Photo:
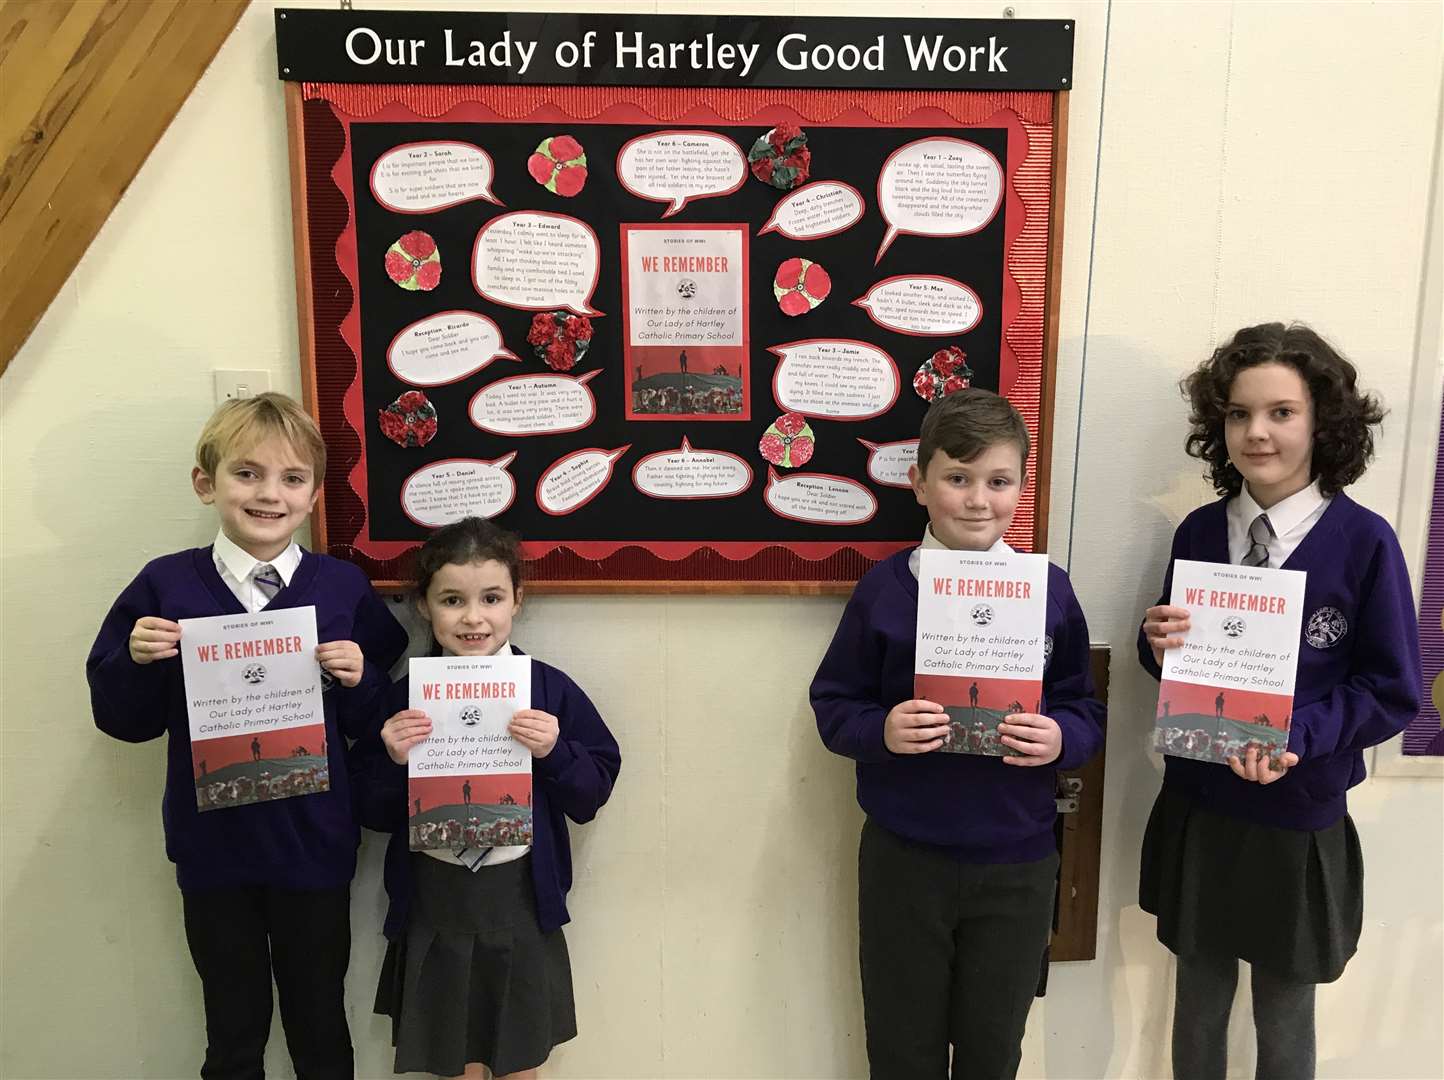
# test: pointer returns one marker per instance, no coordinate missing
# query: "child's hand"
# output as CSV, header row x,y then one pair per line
x,y
342,659
154,638
403,731
1037,739
1164,626
536,730
1259,768
915,727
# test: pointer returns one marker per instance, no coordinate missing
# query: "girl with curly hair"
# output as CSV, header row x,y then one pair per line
x,y
1277,417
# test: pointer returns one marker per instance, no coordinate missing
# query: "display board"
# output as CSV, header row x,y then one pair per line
x,y
679,334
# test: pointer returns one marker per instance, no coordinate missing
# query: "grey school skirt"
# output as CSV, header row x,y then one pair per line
x,y
1286,900
473,977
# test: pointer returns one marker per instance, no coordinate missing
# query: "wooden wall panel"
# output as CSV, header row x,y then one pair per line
x,y
86,89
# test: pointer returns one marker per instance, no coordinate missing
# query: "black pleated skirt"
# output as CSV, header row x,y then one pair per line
x,y
473,977
1289,901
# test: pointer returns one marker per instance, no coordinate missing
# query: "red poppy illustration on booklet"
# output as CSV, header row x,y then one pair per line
x,y
1230,686
981,649
253,696
469,782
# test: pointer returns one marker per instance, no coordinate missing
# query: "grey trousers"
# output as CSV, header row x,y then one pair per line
x,y
1283,1017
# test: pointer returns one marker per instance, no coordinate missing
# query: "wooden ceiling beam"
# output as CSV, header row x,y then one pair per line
x,y
87,87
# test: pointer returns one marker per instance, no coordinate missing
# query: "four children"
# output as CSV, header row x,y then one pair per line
x,y
957,863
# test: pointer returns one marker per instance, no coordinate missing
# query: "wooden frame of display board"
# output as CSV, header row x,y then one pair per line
x,y
777,462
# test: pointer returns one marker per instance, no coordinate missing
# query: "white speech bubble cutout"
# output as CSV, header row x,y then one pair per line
x,y
922,305
445,348
449,490
834,378
816,210
939,186
422,177
887,463
818,498
572,481
676,167
688,473
523,405
536,261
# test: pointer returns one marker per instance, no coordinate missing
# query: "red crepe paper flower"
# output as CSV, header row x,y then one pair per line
x,y
781,158
414,263
410,420
788,441
559,338
943,373
559,165
800,285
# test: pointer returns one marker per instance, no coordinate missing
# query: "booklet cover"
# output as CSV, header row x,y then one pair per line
x,y
980,641
253,696
1230,685
469,782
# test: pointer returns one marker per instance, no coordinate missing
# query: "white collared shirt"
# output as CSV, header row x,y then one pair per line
x,y
1291,518
492,856
932,543
237,568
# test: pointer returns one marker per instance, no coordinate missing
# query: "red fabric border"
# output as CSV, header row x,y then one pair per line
x,y
330,108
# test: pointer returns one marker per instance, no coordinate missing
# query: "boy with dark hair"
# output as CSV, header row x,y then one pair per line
x,y
957,867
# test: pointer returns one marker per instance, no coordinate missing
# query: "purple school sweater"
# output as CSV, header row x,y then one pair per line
x,y
573,781
1358,668
979,809
305,842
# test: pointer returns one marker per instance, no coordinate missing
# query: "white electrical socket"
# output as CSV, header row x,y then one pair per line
x,y
240,384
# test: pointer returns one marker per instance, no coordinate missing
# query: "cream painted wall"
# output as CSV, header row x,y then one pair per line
x,y
1253,161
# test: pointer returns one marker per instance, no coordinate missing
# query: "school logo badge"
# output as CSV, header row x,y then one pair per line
x,y
254,673
1047,650
1234,626
1326,628
471,715
982,614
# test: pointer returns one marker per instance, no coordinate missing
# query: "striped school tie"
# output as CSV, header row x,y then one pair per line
x,y
1259,534
267,580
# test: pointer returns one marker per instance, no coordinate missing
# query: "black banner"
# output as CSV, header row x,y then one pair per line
x,y
673,50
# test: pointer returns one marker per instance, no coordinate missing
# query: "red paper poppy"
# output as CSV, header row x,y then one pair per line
x,y
417,244
410,420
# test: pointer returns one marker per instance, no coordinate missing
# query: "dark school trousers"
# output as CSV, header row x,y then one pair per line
x,y
950,955
239,938
1283,1017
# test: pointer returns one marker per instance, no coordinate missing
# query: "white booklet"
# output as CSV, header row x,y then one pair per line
x,y
253,696
1230,685
980,641
469,781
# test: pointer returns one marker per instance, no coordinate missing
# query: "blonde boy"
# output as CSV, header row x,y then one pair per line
x,y
265,886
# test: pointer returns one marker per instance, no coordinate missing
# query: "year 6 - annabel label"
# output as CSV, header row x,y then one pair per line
x,y
469,781
1229,688
980,641
253,695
